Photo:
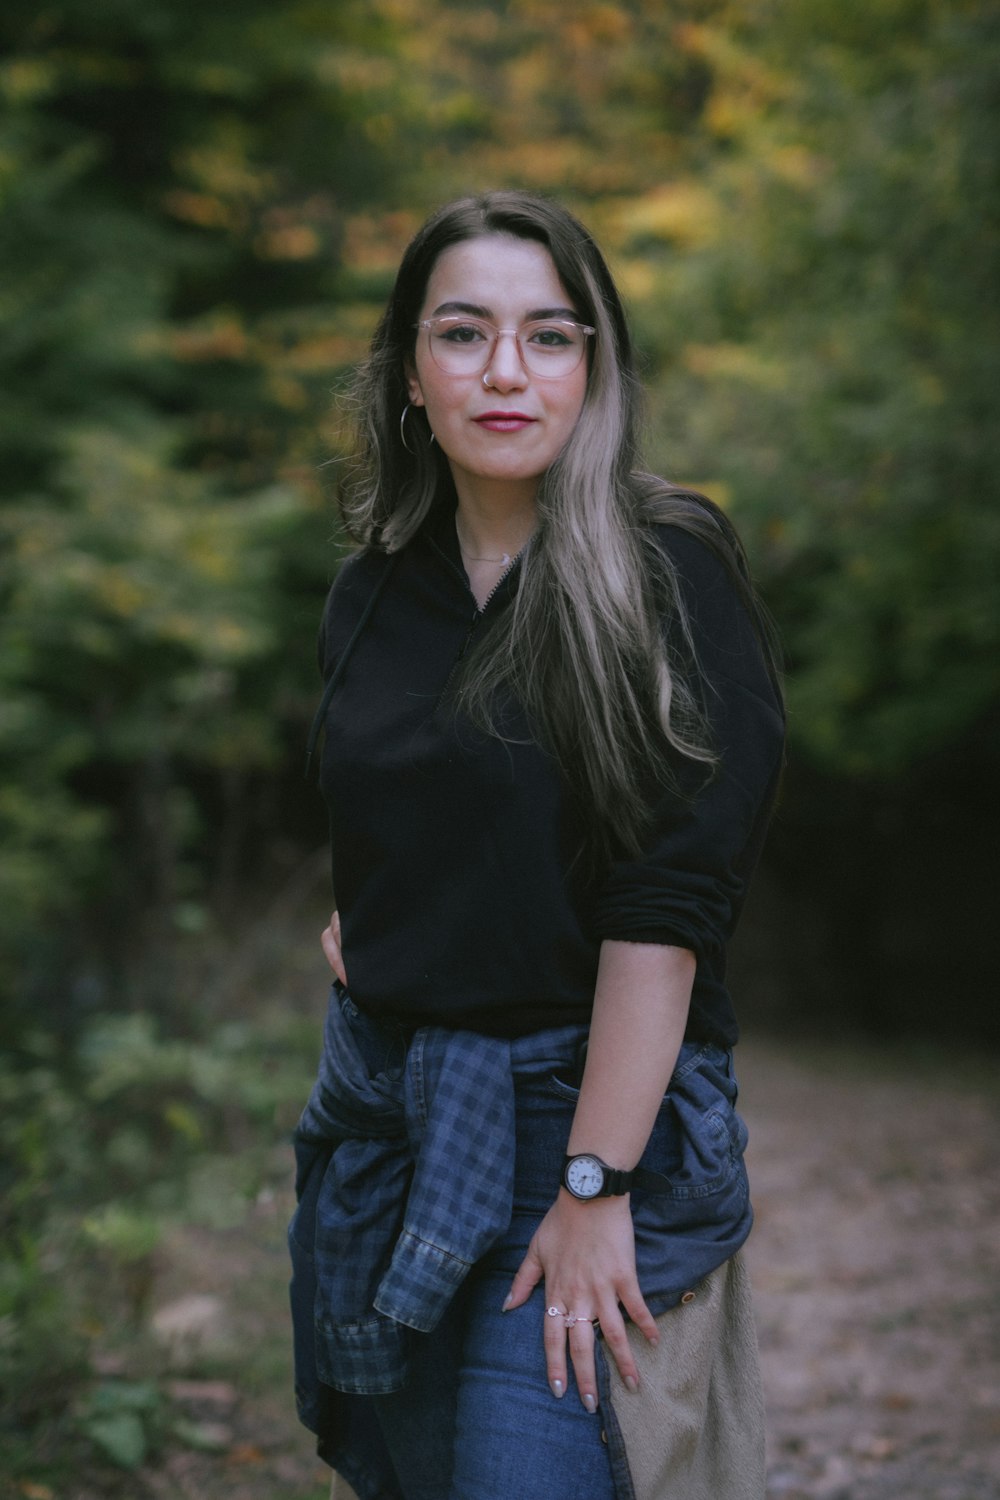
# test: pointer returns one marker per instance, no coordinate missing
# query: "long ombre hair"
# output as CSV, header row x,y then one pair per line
x,y
583,648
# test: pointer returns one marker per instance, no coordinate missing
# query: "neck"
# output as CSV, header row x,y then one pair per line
x,y
494,532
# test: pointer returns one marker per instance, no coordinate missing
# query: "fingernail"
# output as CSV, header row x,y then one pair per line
x,y
631,1384
590,1402
507,1301
558,1389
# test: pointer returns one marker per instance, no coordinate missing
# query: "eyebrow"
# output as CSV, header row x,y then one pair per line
x,y
538,314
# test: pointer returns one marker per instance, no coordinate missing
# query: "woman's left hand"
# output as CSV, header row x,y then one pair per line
x,y
586,1254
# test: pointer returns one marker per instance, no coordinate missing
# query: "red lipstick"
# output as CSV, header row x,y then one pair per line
x,y
504,421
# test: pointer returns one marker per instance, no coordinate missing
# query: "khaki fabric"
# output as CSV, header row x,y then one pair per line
x,y
695,1428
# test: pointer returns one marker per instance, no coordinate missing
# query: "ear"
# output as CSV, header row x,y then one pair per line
x,y
416,395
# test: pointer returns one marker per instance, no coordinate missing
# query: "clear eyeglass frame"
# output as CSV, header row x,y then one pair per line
x,y
472,356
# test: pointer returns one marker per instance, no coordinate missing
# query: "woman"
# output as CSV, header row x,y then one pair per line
x,y
553,740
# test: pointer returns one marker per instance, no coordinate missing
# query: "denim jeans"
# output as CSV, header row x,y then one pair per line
x,y
478,1407
477,1420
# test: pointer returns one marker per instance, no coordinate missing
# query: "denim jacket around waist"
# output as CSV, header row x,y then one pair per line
x,y
405,1176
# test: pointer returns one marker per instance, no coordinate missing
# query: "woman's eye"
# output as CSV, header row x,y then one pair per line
x,y
551,338
462,333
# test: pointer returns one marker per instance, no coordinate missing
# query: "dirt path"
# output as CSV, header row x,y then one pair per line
x,y
876,1267
875,1262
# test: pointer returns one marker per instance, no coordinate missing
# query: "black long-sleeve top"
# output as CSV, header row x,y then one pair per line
x,y
462,869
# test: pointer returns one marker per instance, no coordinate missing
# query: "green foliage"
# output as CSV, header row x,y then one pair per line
x,y
101,1154
839,366
175,181
119,1418
130,652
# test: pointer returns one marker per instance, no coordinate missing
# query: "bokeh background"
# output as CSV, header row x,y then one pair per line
x,y
202,204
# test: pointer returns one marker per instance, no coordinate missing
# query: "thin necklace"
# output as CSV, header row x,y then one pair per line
x,y
505,561
471,557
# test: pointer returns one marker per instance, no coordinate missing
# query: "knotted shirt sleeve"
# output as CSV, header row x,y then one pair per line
x,y
688,886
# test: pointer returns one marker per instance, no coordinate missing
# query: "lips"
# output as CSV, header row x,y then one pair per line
x,y
504,421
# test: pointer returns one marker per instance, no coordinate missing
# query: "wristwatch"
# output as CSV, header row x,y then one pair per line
x,y
586,1177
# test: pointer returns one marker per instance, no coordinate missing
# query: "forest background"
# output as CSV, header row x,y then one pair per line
x,y
201,208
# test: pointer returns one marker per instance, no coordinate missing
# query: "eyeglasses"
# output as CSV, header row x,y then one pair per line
x,y
465,346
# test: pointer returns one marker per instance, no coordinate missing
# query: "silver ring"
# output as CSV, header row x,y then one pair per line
x,y
486,381
554,1312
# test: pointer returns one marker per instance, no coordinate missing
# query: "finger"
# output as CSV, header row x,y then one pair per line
x,y
341,966
617,1344
554,1338
330,942
332,950
581,1347
334,959
529,1274
633,1303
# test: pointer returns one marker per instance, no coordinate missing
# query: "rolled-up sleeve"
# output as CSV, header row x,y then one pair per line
x,y
687,888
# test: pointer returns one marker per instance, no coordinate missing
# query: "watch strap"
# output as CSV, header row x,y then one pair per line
x,y
619,1180
650,1182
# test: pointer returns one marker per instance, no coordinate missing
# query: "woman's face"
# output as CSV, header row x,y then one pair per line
x,y
505,434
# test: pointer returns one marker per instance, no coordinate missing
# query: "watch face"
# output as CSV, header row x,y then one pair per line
x,y
585,1176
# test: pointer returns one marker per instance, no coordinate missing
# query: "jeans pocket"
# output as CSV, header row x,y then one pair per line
x,y
704,1217
562,1088
700,1153
698,1139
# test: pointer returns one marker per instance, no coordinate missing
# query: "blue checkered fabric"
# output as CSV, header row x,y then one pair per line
x,y
420,1184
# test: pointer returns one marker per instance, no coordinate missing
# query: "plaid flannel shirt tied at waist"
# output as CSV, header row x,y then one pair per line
x,y
415,1142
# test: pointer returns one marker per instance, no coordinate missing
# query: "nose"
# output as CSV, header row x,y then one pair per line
x,y
505,370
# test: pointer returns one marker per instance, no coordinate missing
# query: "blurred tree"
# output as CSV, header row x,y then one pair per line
x,y
175,181
827,359
591,104
836,357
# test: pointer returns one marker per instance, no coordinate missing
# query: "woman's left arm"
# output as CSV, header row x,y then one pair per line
x,y
585,1251
657,914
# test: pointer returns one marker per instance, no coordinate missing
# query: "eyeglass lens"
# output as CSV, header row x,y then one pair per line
x,y
464,346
